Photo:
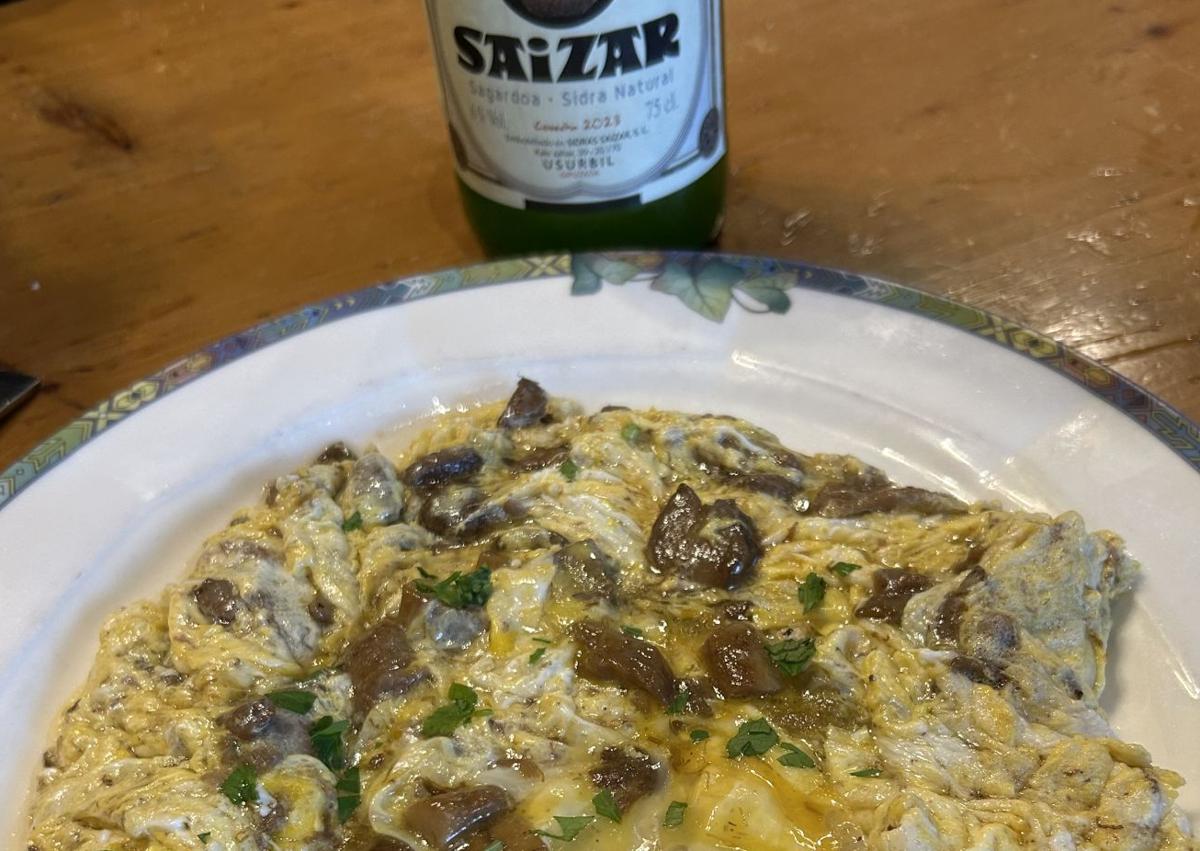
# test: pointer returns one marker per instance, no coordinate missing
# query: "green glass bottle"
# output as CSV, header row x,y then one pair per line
x,y
585,124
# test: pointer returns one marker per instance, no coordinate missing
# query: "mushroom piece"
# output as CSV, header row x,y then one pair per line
x,y
715,545
378,664
608,655
455,464
629,774
218,600
893,588
526,407
442,820
263,736
737,660
583,571
852,500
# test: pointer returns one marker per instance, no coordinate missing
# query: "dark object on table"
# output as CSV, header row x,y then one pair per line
x,y
15,387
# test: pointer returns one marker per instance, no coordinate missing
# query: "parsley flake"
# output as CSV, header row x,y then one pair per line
x,y
754,738
844,568
446,719
495,846
459,590
606,805
866,772
569,470
632,630
631,432
675,813
571,826
241,786
812,592
536,655
699,735
353,522
203,837
293,700
795,758
349,794
538,640
679,703
793,655
326,736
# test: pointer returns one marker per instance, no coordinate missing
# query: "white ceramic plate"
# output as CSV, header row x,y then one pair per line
x,y
911,383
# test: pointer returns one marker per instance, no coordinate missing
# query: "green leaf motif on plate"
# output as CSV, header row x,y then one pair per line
x,y
771,291
707,287
709,292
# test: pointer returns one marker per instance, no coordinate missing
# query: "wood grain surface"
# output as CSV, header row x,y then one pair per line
x,y
172,171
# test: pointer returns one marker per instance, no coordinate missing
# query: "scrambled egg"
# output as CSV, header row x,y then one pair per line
x,y
628,630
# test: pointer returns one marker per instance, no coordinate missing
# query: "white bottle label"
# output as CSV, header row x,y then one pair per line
x,y
581,102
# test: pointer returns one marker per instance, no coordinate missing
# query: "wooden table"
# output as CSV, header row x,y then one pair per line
x,y
174,170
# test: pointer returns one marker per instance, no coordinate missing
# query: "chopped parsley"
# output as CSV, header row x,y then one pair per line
x,y
679,703
536,655
754,738
571,826
812,592
632,630
795,758
699,735
354,521
293,700
569,470
675,813
241,786
793,655
495,846
631,432
446,719
460,590
538,640
203,837
326,736
606,806
844,568
349,794
866,772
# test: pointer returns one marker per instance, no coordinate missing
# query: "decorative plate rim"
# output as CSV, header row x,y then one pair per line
x,y
707,282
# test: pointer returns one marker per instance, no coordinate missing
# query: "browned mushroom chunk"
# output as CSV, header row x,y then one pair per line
x,y
714,545
608,655
218,600
980,671
321,610
990,635
947,621
629,774
583,571
539,459
443,820
842,500
264,736
737,661
512,832
378,664
893,588
334,453
449,507
526,407
455,464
